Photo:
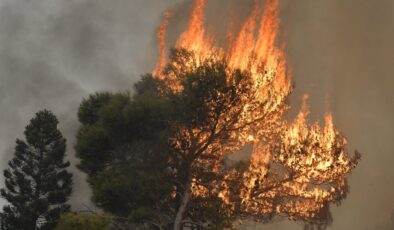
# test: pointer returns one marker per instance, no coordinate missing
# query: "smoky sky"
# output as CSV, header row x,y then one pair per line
x,y
55,52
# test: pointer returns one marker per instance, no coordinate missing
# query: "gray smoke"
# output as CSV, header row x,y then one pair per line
x,y
53,53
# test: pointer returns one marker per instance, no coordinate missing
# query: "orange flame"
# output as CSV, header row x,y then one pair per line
x,y
243,48
194,38
268,31
161,36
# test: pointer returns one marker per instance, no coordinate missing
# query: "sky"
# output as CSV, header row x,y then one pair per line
x,y
53,53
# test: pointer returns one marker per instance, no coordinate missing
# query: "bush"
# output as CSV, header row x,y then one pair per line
x,y
72,221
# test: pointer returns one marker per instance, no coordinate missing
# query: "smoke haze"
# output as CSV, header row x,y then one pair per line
x,y
53,53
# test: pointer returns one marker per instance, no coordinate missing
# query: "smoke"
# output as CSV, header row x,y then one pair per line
x,y
53,53
387,226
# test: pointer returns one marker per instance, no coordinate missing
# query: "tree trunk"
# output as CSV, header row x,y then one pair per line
x,y
182,208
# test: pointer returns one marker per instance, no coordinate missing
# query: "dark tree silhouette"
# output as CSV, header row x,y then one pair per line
x,y
37,184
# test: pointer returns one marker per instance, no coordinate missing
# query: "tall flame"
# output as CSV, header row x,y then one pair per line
x,y
268,31
194,38
243,47
161,35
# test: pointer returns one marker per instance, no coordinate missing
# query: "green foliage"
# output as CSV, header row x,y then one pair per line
x,y
92,147
122,145
37,184
123,188
148,85
89,108
141,214
212,212
72,221
201,88
119,120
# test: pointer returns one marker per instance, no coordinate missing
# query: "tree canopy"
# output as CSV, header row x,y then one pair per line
x,y
121,144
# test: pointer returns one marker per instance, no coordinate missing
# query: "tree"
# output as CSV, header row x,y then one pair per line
x,y
72,221
203,105
122,147
168,155
37,184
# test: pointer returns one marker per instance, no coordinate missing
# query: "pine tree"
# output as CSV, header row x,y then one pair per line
x,y
37,184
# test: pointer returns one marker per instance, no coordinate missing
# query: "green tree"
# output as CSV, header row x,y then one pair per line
x,y
37,184
122,145
72,221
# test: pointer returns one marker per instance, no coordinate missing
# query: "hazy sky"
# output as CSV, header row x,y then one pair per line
x,y
55,52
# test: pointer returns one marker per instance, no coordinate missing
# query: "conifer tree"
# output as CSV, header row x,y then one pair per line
x,y
37,184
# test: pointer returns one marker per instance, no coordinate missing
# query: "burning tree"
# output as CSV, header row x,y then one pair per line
x,y
201,105
235,97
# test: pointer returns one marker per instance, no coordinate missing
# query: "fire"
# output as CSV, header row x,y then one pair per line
x,y
194,38
317,163
295,168
243,47
161,35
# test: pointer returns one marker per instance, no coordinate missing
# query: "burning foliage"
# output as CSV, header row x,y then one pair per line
x,y
236,96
